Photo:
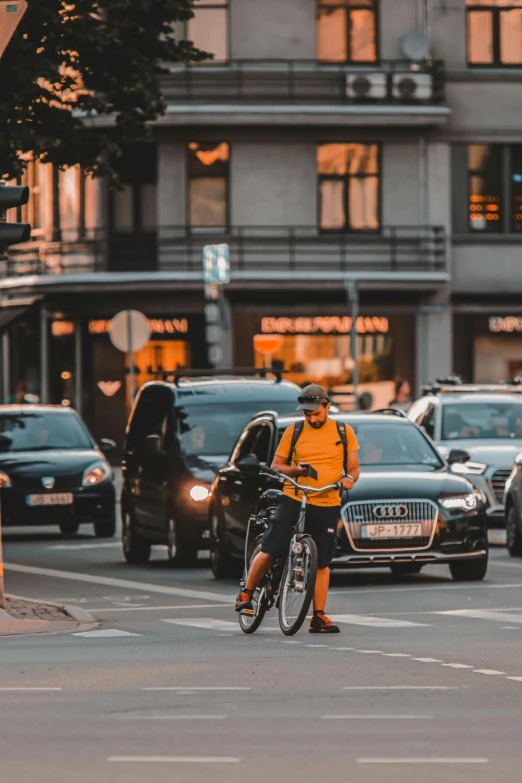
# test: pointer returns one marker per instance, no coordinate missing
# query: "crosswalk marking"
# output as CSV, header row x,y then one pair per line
x,y
106,633
484,614
209,623
375,622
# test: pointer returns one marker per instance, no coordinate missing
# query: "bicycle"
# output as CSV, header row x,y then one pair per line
x,y
289,584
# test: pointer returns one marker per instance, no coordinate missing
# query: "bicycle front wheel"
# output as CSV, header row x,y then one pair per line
x,y
297,586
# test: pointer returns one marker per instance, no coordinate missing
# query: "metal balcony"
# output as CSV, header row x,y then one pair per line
x,y
256,252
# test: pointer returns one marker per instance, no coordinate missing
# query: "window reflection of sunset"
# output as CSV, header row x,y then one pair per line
x,y
208,157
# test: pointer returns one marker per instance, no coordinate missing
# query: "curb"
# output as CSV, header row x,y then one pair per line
x,y
78,615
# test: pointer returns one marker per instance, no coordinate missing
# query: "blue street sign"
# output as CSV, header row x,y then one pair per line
x,y
216,264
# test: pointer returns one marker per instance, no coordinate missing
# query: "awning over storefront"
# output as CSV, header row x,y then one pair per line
x,y
12,310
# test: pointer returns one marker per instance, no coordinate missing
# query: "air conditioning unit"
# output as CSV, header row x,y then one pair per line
x,y
408,86
366,86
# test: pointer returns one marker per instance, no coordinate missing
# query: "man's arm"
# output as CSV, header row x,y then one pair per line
x,y
353,470
293,471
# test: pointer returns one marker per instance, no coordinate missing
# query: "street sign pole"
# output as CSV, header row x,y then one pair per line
x,y
132,379
216,274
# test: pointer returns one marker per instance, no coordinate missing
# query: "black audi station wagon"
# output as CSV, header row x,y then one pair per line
x,y
406,511
180,432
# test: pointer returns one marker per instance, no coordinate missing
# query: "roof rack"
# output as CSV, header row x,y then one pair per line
x,y
391,412
177,375
454,385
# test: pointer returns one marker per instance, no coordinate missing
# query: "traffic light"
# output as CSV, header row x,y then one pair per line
x,y
11,197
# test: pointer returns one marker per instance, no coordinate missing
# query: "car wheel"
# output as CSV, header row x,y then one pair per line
x,y
513,535
469,570
222,565
105,528
181,553
69,528
406,568
135,548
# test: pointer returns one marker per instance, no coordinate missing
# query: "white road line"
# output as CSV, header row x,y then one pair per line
x,y
316,645
199,688
342,648
127,608
128,584
401,687
208,623
479,614
176,759
396,655
108,545
436,760
516,679
172,717
432,588
491,672
369,652
375,622
105,633
376,717
29,689
457,665
427,660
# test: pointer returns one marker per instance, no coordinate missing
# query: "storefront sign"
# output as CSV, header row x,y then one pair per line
x,y
156,326
505,323
324,325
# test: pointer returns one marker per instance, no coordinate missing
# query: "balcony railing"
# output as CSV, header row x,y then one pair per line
x,y
302,81
254,250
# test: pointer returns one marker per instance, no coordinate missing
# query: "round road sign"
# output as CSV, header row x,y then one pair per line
x,y
138,325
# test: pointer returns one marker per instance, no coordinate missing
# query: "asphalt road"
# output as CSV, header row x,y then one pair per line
x,y
425,680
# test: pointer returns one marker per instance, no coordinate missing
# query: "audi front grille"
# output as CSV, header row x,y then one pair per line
x,y
498,484
357,514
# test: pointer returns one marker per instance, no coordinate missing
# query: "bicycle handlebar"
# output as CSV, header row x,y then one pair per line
x,y
304,487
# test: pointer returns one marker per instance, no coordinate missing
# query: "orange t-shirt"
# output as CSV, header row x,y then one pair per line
x,y
323,450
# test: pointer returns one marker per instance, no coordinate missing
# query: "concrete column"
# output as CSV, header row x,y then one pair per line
x,y
44,355
6,380
171,204
434,342
78,358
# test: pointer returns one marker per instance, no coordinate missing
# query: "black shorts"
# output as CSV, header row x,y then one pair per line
x,y
321,523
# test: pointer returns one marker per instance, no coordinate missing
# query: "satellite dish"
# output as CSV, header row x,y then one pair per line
x,y
415,45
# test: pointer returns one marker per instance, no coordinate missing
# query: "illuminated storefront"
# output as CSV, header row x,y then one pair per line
x,y
319,349
488,348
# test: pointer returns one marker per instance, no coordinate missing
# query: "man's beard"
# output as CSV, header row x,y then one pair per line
x,y
317,424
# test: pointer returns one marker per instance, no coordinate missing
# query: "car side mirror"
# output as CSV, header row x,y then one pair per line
x,y
250,462
107,445
458,455
152,445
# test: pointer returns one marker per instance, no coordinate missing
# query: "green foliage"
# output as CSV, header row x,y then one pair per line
x,y
80,78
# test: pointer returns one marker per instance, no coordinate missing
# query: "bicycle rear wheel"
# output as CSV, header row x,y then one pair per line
x,y
249,623
297,586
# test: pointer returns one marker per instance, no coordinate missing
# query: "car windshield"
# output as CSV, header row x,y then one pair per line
x,y
487,420
42,432
212,430
395,446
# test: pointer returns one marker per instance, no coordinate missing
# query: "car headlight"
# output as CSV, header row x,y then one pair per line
x,y
469,468
197,492
463,502
98,471
5,481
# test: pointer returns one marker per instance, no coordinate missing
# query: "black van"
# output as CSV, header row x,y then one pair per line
x,y
180,432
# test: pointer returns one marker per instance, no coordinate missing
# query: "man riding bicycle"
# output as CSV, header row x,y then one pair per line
x,y
330,448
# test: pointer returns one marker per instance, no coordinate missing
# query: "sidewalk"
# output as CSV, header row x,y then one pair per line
x,y
26,616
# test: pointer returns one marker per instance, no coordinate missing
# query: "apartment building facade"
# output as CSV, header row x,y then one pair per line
x,y
329,143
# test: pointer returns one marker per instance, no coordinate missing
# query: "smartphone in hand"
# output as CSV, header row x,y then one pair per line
x,y
311,471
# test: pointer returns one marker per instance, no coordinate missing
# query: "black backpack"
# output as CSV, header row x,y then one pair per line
x,y
298,428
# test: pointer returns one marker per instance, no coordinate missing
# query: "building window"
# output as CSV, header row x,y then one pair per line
x,y
133,205
495,188
208,29
208,184
349,187
494,32
347,31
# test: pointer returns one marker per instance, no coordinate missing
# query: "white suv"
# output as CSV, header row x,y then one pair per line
x,y
485,423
